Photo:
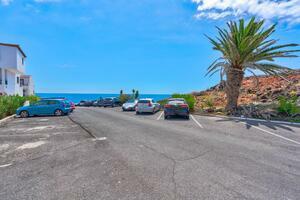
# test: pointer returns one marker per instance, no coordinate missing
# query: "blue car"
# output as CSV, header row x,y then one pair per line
x,y
45,107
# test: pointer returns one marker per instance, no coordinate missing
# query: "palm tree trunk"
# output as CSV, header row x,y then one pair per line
x,y
232,89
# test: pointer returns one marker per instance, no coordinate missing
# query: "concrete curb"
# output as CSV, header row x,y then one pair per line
x,y
6,119
249,119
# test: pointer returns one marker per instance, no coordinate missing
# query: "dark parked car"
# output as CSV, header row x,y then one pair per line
x,y
111,101
98,102
176,107
85,103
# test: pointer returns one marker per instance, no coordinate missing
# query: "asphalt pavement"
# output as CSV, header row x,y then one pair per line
x,y
104,153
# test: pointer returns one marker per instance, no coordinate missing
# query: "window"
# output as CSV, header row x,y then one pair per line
x,y
5,76
22,82
52,102
18,80
144,101
40,103
23,61
0,76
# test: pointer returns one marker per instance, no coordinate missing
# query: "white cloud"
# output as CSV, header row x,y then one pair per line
x,y
5,2
284,10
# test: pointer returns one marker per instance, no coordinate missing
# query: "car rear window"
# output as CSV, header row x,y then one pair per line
x,y
176,102
144,101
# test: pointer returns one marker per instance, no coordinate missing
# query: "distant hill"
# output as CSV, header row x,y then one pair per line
x,y
261,89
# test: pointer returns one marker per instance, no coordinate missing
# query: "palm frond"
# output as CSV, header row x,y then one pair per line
x,y
248,45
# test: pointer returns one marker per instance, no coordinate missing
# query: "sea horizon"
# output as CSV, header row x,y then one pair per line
x,y
77,97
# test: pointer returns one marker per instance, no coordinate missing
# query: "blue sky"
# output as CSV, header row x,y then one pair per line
x,y
156,46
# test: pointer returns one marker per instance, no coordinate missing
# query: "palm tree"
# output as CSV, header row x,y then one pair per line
x,y
246,47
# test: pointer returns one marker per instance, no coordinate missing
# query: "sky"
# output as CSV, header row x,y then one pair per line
x,y
155,46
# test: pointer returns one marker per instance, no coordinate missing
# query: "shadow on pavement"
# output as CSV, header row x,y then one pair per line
x,y
271,125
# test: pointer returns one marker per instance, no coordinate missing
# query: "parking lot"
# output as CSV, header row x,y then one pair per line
x,y
105,153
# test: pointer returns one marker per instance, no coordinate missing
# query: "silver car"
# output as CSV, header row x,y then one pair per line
x,y
130,105
147,105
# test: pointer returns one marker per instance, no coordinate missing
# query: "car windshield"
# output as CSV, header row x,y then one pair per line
x,y
131,101
144,101
108,99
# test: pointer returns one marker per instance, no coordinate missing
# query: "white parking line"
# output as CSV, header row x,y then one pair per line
x,y
274,134
196,121
7,165
160,116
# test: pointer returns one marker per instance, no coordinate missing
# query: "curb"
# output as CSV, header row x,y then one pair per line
x,y
6,119
249,119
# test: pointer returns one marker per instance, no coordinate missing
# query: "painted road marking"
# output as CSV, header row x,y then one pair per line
x,y
101,139
7,165
196,121
274,134
160,116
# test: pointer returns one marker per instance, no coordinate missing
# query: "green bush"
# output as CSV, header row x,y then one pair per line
x,y
288,106
189,98
9,104
209,102
124,98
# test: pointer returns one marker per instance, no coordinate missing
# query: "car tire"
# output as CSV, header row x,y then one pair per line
x,y
58,112
137,113
166,117
24,114
187,117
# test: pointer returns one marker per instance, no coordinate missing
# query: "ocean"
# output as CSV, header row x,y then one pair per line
x,y
76,98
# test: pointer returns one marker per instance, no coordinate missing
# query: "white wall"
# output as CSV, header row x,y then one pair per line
x,y
12,88
11,57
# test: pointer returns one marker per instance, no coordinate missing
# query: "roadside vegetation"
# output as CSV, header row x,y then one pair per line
x,y
246,47
126,97
288,105
9,104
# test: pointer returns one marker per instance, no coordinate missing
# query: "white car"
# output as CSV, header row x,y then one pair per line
x,y
130,105
147,105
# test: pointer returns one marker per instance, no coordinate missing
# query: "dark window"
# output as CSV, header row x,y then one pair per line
x,y
22,61
18,80
0,76
144,101
5,76
52,102
40,103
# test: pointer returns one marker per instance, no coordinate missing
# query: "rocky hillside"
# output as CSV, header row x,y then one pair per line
x,y
261,89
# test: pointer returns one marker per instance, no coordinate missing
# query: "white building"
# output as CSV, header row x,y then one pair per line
x,y
13,80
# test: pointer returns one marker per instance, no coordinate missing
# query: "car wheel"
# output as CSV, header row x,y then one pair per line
x,y
166,117
24,114
58,112
187,117
137,112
